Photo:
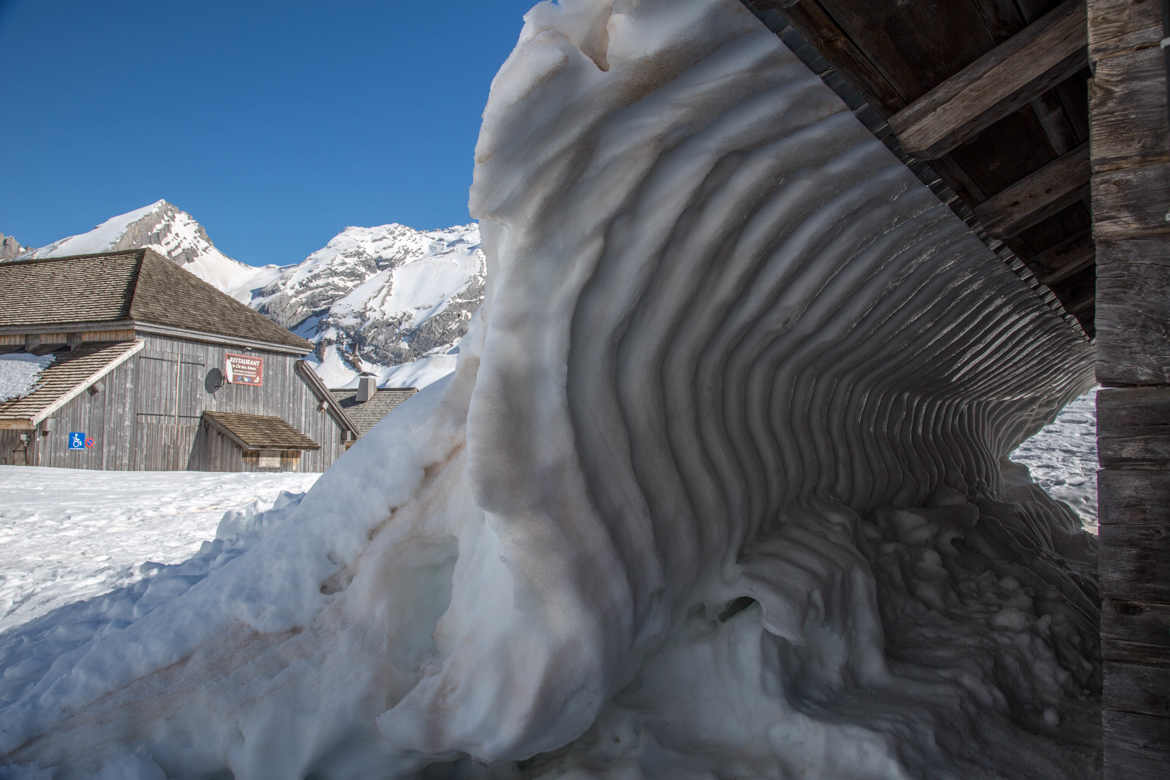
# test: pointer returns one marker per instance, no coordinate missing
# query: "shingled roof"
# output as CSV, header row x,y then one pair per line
x,y
260,432
367,415
68,375
139,285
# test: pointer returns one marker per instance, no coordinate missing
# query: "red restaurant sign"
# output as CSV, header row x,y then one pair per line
x,y
244,369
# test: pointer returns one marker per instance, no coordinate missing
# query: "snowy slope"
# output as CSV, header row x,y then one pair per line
x,y
172,232
387,299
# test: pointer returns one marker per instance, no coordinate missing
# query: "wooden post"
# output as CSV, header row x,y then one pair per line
x,y
1130,158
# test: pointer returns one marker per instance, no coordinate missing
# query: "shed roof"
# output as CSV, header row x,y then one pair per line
x,y
367,415
139,285
259,431
65,378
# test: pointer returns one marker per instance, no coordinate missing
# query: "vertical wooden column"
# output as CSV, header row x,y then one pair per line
x,y
1130,151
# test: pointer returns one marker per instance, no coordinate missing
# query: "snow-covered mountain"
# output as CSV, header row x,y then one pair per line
x,y
388,299
171,232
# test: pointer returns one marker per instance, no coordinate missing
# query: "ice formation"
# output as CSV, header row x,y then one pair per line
x,y
717,488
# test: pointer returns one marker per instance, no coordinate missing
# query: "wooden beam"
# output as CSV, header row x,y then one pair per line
x,y
1134,425
1037,196
1081,305
1122,25
1135,549
1066,260
1133,319
1136,745
1132,202
1127,110
1134,632
1011,75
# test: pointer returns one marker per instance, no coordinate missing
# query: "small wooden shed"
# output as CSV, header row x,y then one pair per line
x,y
149,362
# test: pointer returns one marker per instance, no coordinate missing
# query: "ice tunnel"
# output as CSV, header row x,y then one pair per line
x,y
718,489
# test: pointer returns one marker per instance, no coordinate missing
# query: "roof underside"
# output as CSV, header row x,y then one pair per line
x,y
139,285
892,55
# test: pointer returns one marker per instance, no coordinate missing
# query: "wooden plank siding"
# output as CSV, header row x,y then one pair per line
x,y
147,416
1130,135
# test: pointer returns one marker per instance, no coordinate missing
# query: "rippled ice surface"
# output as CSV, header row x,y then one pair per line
x,y
1062,457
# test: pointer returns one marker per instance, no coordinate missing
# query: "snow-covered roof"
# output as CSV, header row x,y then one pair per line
x,y
61,381
20,372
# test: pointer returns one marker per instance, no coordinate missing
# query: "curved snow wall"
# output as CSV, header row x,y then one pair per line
x,y
715,295
723,324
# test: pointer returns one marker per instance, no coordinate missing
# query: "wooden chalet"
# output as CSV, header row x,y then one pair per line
x,y
154,369
1043,125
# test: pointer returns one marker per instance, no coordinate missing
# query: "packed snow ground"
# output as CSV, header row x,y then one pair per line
x,y
70,534
1062,457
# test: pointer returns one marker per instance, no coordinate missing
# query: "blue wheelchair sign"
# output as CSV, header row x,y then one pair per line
x,y
76,440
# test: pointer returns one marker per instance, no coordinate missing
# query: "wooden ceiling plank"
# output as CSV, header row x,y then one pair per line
x,y
1027,65
820,29
1038,195
1065,260
1082,263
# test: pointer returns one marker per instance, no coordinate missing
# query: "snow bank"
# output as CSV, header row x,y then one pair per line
x,y
718,485
19,372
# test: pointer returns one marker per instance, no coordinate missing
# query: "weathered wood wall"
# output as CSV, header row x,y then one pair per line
x,y
1130,139
147,416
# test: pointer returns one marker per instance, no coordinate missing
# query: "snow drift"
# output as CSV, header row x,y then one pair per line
x,y
717,487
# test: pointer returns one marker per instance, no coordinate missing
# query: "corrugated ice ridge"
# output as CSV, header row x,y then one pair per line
x,y
716,297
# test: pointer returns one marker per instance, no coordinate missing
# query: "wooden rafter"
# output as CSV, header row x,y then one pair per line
x,y
1083,258
1064,259
1038,195
1011,75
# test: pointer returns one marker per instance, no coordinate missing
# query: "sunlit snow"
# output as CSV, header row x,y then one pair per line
x,y
19,373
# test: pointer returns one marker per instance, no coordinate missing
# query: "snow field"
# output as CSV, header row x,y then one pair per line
x,y
71,534
1062,457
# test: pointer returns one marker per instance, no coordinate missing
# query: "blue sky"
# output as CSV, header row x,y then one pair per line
x,y
275,124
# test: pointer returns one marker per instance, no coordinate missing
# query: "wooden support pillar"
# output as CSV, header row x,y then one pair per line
x,y
1130,138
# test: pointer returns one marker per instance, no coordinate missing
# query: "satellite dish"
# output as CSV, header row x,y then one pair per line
x,y
214,380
